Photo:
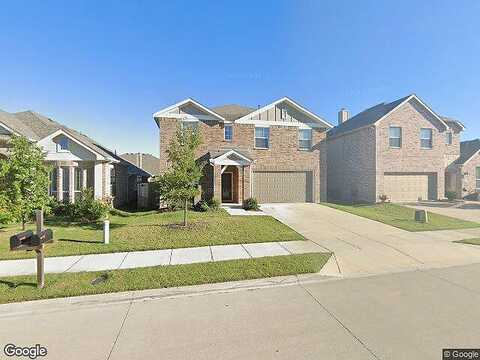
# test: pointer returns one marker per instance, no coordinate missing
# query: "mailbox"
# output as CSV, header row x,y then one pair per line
x,y
29,241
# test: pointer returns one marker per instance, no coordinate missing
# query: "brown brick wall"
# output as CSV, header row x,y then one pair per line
x,y
283,153
467,174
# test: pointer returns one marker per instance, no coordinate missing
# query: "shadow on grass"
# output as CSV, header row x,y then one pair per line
x,y
82,241
13,285
83,226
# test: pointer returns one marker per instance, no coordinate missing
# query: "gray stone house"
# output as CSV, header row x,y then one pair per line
x,y
77,161
402,150
275,153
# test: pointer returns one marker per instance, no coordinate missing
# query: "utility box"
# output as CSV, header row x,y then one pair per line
x,y
421,216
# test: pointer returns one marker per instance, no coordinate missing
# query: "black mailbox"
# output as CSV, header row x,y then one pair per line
x,y
28,240
20,239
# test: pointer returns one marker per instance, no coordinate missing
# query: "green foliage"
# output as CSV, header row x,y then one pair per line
x,y
180,183
251,204
450,195
24,180
210,205
214,204
383,198
85,209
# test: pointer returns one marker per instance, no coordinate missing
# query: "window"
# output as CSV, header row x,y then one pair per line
x,y
190,125
477,177
228,132
62,144
262,135
395,137
284,113
113,182
448,138
304,139
66,183
426,138
53,182
78,183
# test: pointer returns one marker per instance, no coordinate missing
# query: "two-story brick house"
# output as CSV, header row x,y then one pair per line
x,y
275,153
402,149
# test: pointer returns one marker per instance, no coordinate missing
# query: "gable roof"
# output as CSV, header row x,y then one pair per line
x,y
149,163
293,104
232,112
467,150
166,111
452,123
376,113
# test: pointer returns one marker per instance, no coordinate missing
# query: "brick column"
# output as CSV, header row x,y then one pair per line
x,y
217,182
84,178
59,183
246,170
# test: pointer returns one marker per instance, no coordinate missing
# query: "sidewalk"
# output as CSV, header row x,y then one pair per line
x,y
135,259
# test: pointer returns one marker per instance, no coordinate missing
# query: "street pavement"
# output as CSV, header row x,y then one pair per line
x,y
404,315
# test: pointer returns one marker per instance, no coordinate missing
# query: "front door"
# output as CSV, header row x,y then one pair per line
x,y
227,187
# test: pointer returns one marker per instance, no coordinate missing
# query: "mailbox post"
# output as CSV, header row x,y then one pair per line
x,y
29,241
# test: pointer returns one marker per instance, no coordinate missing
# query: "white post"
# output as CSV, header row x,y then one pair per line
x,y
98,181
106,232
40,252
71,184
84,178
59,183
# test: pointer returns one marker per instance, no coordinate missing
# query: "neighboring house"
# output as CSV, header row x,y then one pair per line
x,y
77,161
464,173
146,162
401,149
275,153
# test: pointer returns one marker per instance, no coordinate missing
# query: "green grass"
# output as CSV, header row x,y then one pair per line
x,y
23,288
474,241
153,230
403,217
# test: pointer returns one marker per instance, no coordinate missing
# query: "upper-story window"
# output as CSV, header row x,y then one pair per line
x,y
395,136
477,177
304,139
426,138
190,125
262,137
448,138
284,113
228,132
62,144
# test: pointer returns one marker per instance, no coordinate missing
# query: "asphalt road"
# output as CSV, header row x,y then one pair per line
x,y
407,315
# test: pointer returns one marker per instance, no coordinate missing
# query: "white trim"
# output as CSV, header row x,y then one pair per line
x,y
292,103
165,112
255,137
62,132
413,96
223,159
8,129
266,123
189,117
225,131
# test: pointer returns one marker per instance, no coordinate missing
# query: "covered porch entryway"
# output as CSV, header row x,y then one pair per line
x,y
231,176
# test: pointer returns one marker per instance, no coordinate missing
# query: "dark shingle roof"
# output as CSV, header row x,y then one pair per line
x,y
467,150
451,122
150,163
367,117
233,111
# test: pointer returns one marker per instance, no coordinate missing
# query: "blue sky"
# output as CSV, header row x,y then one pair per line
x,y
104,67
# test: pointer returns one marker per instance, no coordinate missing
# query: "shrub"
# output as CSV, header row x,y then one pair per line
x,y
450,195
251,204
214,204
383,198
85,209
201,206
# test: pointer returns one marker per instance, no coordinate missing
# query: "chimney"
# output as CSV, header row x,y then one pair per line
x,y
139,160
343,116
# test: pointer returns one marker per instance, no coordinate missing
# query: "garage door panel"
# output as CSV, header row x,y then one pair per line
x,y
283,186
409,187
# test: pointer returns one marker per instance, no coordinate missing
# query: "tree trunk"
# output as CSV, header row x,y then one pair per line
x,y
23,223
185,213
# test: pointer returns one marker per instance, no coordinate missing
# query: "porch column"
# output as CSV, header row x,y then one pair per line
x,y
59,183
246,172
217,182
84,178
71,184
98,181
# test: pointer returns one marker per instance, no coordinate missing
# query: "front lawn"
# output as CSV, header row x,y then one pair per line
x,y
474,241
23,288
153,230
403,217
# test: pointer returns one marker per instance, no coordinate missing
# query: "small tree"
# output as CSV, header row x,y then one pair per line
x,y
180,183
24,180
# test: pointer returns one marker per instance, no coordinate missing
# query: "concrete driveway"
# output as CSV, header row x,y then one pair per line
x,y
465,210
367,247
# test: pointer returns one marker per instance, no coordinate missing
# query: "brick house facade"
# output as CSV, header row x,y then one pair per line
x,y
380,152
237,169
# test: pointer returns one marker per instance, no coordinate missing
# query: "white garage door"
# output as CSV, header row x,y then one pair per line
x,y
409,187
283,186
